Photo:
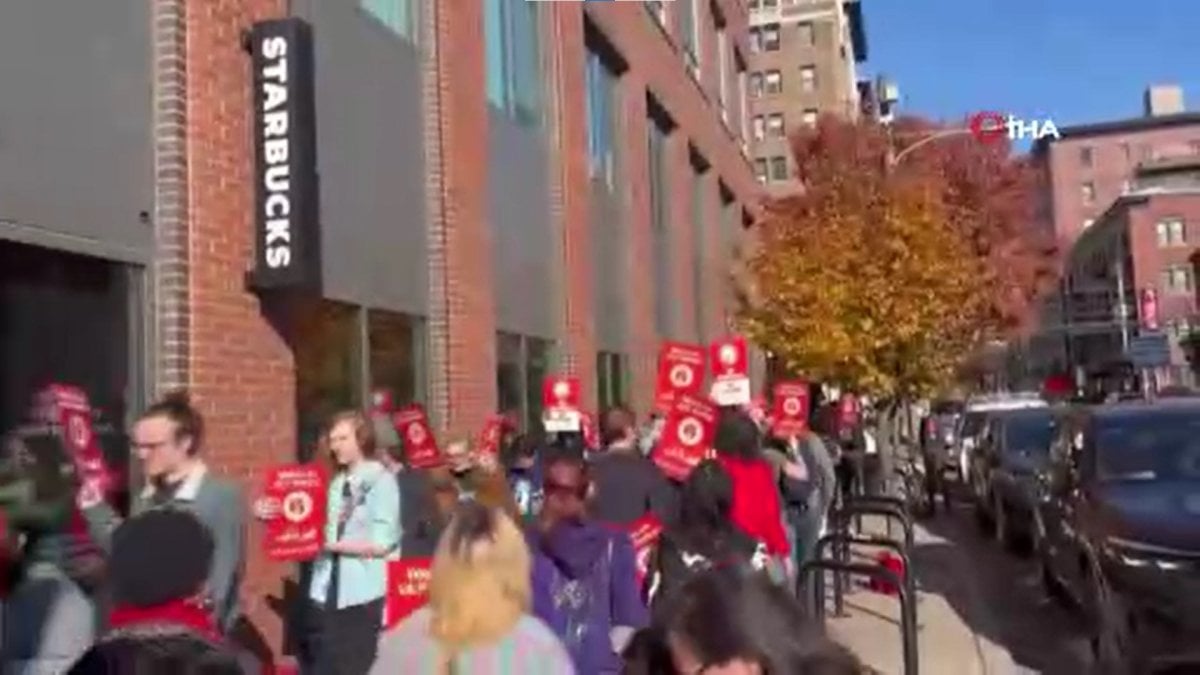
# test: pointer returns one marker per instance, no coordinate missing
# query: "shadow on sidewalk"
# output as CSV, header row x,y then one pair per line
x,y
997,595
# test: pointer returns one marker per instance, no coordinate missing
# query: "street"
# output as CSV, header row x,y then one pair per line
x,y
980,610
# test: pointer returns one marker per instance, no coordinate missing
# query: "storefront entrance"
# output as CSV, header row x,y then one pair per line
x,y
71,319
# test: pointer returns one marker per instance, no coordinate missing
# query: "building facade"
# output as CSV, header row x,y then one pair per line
x,y
480,194
803,62
1090,167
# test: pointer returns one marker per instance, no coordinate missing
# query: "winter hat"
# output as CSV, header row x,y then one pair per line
x,y
159,556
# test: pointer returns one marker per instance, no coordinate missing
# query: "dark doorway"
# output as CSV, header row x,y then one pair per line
x,y
66,318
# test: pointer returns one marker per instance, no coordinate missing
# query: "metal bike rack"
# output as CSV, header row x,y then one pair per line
x,y
880,500
817,594
908,624
841,521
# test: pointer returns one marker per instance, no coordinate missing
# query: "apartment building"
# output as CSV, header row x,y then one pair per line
x,y
803,62
284,206
1089,169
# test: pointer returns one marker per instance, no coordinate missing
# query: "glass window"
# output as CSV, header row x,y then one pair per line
x,y
510,385
1164,237
756,40
329,366
770,37
48,301
773,82
686,9
699,268
810,116
399,16
1171,232
659,222
394,343
760,169
779,169
756,85
514,73
804,33
1153,446
808,78
1177,279
1085,157
601,94
759,128
1088,192
538,366
775,125
610,380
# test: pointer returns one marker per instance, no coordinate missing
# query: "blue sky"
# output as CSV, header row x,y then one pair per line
x,y
1072,61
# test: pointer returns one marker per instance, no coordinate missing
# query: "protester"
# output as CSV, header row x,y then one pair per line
x,y
48,619
806,478
477,619
584,574
704,537
160,621
349,578
756,502
168,439
522,461
420,521
469,476
627,484
729,622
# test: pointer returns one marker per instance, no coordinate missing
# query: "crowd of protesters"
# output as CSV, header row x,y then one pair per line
x,y
533,566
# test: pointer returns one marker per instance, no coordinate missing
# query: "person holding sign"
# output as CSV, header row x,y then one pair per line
x,y
349,578
478,616
756,503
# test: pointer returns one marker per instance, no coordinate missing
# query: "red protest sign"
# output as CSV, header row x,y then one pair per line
x,y
67,408
420,445
687,436
730,362
493,432
560,392
407,588
297,493
645,533
382,402
680,371
791,409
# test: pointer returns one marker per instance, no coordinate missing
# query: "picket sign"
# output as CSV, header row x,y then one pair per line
x,y
680,371
407,589
560,404
791,409
420,445
730,362
687,437
297,493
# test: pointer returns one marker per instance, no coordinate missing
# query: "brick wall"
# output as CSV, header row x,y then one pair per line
x,y
241,371
462,330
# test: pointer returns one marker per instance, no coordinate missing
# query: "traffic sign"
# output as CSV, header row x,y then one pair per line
x,y
1150,350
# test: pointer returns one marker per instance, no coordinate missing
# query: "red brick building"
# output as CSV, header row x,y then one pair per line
x,y
506,189
1089,168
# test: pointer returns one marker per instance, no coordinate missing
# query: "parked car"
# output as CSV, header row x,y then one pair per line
x,y
971,425
1004,470
1118,530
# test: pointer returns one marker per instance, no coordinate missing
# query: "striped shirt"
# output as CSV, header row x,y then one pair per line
x,y
530,648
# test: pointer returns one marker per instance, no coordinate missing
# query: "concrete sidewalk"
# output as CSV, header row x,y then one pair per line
x,y
947,644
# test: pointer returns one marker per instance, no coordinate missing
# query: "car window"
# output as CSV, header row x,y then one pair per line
x,y
1149,447
973,423
1029,433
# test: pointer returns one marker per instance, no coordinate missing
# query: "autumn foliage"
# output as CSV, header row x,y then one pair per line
x,y
883,278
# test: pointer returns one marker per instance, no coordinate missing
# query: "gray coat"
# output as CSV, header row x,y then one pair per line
x,y
48,623
219,505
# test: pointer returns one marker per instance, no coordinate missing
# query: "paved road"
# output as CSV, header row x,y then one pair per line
x,y
982,611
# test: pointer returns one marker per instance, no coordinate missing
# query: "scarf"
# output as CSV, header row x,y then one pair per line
x,y
180,613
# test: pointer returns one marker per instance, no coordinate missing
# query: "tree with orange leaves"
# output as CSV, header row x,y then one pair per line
x,y
874,278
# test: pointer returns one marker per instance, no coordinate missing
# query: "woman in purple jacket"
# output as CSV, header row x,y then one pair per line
x,y
584,574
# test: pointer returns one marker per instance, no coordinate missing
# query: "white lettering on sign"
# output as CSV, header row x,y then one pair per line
x,y
277,168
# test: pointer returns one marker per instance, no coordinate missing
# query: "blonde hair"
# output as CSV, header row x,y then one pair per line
x,y
479,585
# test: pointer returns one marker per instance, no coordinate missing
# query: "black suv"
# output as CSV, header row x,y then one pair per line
x,y
1013,448
1118,529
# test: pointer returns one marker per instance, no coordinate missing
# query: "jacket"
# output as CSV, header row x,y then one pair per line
x,y
756,503
628,486
585,588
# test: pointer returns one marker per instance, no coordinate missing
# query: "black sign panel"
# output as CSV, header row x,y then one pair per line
x,y
287,227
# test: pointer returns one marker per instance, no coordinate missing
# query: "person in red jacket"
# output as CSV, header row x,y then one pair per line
x,y
756,504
